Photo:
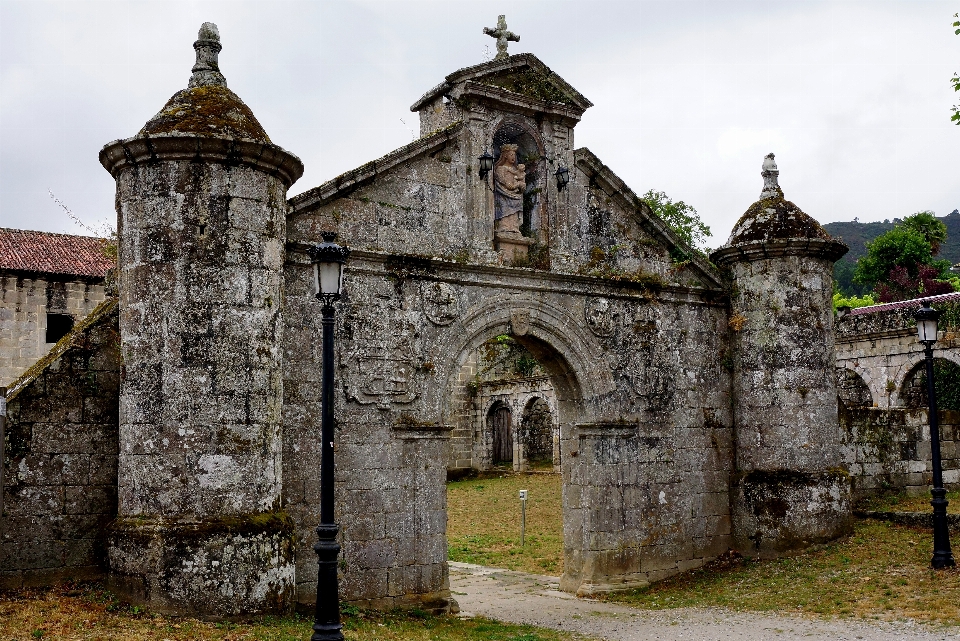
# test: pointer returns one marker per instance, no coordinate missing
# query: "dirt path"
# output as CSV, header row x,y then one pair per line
x,y
526,598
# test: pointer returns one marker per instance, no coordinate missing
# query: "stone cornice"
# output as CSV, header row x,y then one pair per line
x,y
516,278
517,103
493,67
748,252
144,150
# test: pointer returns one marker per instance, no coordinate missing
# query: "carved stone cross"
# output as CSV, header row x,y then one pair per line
x,y
503,36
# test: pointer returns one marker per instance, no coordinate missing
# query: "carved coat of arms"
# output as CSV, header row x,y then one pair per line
x,y
600,316
441,303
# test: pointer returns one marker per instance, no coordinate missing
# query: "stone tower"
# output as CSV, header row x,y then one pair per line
x,y
789,489
201,205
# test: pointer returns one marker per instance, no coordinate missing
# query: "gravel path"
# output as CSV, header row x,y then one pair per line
x,y
517,597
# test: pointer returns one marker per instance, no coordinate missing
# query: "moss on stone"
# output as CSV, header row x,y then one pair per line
x,y
775,218
206,111
143,528
530,83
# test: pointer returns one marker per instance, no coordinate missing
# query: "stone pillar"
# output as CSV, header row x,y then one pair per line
x,y
201,204
790,489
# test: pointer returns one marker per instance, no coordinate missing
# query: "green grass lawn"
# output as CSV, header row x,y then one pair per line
x,y
904,503
87,612
882,571
483,522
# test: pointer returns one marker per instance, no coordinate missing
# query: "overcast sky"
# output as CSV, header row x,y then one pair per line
x,y
853,97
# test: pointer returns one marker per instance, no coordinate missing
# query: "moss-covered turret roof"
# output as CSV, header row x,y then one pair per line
x,y
773,217
206,111
206,107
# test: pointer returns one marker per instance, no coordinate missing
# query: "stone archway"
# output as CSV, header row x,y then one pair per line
x,y
913,389
569,358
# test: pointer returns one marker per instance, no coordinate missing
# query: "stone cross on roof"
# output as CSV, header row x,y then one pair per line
x,y
503,35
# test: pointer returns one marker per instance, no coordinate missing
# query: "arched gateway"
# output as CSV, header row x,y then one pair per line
x,y
656,369
631,337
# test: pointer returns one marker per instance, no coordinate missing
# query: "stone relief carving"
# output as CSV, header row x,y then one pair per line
x,y
519,322
600,316
383,355
441,303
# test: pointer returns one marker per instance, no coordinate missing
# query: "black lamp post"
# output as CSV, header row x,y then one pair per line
x,y
328,259
563,177
486,164
927,333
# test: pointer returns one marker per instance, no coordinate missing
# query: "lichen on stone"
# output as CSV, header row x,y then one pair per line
x,y
775,218
206,111
530,83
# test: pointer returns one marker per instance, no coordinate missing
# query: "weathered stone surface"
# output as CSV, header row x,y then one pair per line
x,y
792,489
61,423
202,224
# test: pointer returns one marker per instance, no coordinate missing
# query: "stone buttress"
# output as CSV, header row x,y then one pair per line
x,y
790,489
201,203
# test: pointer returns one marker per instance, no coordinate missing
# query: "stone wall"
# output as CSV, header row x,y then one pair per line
x,y
60,461
889,449
24,305
882,350
612,351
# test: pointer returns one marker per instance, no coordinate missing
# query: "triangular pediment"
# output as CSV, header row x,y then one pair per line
x,y
523,76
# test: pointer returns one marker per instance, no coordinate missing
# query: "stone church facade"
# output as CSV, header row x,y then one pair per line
x,y
692,405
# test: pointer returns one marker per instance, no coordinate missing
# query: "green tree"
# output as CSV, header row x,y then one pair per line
x,y
899,247
928,226
680,217
955,81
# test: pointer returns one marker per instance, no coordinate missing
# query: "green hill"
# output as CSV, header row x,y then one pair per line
x,y
857,235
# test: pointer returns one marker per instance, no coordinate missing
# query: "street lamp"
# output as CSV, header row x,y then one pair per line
x,y
486,164
927,333
563,177
328,259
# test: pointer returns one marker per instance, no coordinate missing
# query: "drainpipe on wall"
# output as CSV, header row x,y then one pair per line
x,y
3,454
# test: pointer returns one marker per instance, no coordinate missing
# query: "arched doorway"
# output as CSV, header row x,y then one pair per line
x,y
946,377
536,432
500,428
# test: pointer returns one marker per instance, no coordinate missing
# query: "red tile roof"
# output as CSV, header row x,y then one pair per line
x,y
23,250
915,303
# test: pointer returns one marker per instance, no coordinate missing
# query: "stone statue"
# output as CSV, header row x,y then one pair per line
x,y
503,35
769,172
509,182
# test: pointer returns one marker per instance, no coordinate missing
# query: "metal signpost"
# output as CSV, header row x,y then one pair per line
x,y
523,515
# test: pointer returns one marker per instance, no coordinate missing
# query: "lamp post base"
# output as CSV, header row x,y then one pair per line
x,y
942,554
326,625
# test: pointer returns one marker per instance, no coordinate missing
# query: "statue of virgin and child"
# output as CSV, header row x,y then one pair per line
x,y
509,183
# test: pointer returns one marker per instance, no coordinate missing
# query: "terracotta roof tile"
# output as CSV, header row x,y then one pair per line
x,y
41,252
915,302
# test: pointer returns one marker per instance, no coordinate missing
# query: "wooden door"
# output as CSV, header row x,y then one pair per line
x,y
502,434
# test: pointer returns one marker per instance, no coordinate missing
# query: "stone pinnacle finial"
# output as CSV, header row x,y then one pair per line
x,y
771,188
206,72
503,35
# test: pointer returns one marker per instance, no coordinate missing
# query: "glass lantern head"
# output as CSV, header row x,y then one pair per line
x,y
926,323
563,177
486,164
328,260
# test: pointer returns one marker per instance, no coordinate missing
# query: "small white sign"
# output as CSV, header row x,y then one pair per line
x,y
523,495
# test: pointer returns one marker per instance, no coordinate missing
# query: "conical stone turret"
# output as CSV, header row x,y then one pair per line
x,y
789,489
201,205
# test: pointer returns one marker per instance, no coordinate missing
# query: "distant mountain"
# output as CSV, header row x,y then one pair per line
x,y
857,235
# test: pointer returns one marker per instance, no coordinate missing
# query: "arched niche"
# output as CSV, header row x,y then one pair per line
x,y
530,152
913,391
852,390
